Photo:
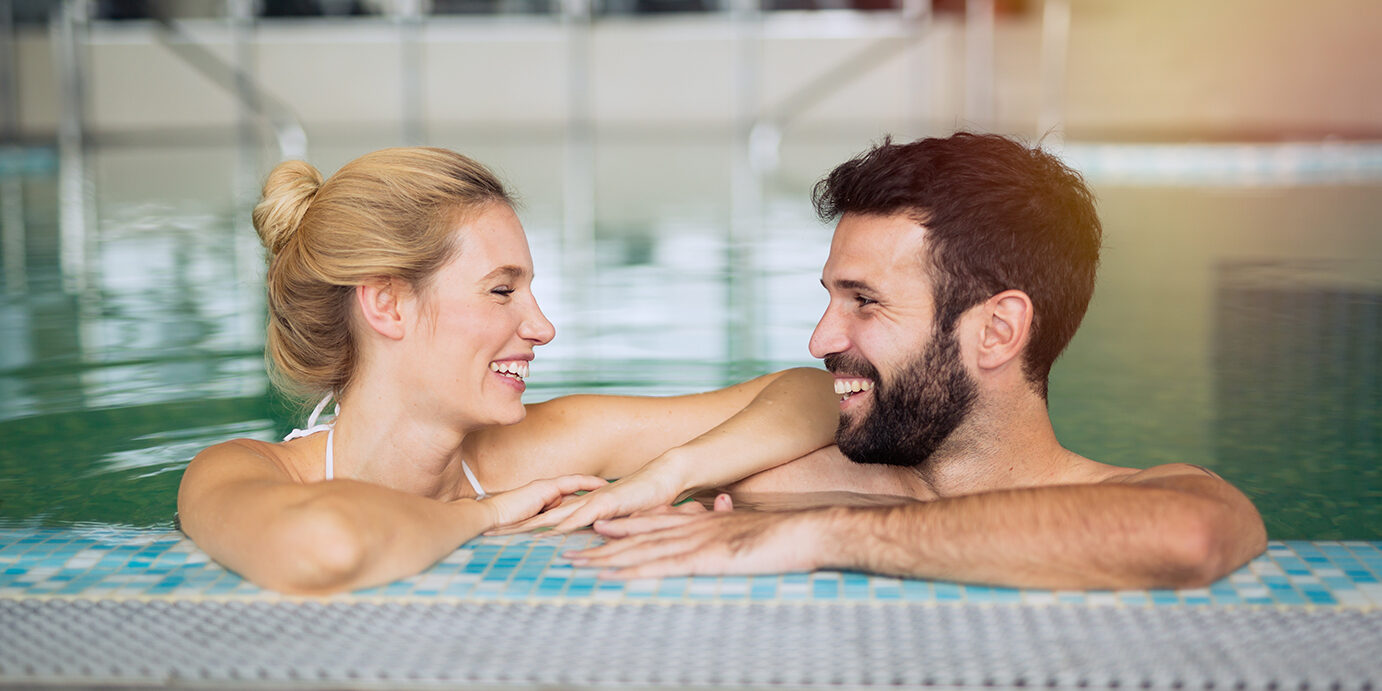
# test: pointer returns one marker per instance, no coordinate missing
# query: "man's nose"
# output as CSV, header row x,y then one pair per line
x,y
829,336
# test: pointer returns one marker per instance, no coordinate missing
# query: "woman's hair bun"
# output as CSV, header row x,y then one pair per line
x,y
288,192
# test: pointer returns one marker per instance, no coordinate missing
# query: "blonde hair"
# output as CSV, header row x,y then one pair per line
x,y
390,213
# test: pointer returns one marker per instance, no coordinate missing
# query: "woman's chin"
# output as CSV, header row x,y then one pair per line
x,y
510,416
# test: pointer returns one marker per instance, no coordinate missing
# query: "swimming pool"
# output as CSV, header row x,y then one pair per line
x,y
1236,323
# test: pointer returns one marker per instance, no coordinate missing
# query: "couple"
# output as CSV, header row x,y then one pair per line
x,y
958,272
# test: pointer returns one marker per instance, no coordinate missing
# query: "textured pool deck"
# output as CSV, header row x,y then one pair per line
x,y
135,608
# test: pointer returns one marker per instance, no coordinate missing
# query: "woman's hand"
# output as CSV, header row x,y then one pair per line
x,y
515,505
657,484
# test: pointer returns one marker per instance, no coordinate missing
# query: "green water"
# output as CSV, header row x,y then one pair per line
x,y
1233,327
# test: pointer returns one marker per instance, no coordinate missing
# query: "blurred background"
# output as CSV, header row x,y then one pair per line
x,y
664,152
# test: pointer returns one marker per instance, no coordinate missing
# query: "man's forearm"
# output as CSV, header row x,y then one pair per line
x,y
1077,536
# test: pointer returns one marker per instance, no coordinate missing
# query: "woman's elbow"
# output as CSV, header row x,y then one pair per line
x,y
313,550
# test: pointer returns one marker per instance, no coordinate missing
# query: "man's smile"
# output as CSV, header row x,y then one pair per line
x,y
846,386
850,388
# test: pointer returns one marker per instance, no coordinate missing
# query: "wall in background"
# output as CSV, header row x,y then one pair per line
x,y
1175,69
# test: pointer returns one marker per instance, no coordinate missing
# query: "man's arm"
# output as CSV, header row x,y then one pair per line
x,y
1171,526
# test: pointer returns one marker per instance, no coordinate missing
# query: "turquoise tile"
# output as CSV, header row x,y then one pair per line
x,y
826,590
1164,597
949,592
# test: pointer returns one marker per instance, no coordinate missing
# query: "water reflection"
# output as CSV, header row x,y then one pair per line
x,y
1188,354
1299,390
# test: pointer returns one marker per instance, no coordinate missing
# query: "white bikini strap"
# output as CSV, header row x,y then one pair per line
x,y
330,456
317,411
470,476
312,426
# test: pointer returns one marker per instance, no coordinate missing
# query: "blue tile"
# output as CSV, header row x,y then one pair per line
x,y
949,592
1164,597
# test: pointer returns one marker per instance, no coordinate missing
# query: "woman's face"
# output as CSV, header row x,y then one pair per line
x,y
479,322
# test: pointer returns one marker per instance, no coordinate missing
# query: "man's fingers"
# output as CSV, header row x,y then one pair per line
x,y
681,564
625,527
724,502
624,555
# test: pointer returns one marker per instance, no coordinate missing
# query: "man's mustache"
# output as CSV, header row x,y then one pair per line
x,y
840,364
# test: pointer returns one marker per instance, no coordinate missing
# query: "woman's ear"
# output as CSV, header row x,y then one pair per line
x,y
1007,326
379,300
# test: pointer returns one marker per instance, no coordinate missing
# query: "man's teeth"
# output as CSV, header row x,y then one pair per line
x,y
513,368
847,386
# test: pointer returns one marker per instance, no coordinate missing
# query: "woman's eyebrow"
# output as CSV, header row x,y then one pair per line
x,y
509,271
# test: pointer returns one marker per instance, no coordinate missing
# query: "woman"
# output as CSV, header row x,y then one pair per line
x,y
401,288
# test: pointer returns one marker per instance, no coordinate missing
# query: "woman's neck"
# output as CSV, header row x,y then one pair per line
x,y
387,438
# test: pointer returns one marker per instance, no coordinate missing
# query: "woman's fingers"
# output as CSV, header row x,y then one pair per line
x,y
549,517
522,503
600,505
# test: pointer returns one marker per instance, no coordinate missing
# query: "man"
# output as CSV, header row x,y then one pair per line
x,y
958,272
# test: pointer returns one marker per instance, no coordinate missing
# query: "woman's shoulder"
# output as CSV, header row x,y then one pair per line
x,y
254,458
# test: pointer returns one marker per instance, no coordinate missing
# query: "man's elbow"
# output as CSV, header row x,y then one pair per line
x,y
1208,545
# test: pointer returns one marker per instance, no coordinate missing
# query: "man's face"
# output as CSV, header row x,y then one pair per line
x,y
904,388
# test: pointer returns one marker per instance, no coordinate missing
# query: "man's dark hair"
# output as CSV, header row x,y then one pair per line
x,y
998,216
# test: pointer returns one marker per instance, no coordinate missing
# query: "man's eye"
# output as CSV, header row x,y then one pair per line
x,y
503,290
864,301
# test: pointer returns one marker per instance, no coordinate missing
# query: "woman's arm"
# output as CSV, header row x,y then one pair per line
x,y
667,448
248,514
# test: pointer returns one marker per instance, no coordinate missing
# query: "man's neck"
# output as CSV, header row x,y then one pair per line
x,y
1003,444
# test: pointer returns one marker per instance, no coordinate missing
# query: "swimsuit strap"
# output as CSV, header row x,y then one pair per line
x,y
474,483
312,426
330,457
328,427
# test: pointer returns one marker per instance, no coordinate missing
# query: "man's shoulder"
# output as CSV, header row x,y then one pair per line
x,y
1158,472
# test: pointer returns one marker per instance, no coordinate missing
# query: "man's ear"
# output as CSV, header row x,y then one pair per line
x,y
1007,326
379,300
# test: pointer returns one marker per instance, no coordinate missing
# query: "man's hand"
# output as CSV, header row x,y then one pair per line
x,y
719,542
520,504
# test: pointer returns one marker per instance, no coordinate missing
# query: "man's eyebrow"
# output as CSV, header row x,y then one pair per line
x,y
849,284
509,271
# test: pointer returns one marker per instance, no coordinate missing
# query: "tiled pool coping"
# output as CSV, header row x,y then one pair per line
x,y
109,563
95,607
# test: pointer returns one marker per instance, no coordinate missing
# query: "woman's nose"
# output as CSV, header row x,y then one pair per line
x,y
537,328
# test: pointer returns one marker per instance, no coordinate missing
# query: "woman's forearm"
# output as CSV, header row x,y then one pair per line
x,y
341,535
792,416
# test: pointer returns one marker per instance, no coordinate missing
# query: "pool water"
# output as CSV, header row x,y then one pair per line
x,y
1236,322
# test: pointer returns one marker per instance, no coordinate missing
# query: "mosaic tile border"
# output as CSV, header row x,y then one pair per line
x,y
113,563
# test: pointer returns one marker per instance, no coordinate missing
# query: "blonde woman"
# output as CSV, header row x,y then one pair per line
x,y
400,290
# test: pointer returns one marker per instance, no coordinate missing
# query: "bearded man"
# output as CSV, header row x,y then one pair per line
x,y
959,270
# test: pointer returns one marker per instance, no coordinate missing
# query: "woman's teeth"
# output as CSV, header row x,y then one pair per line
x,y
517,369
849,387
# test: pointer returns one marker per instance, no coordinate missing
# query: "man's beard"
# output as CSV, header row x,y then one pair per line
x,y
913,414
